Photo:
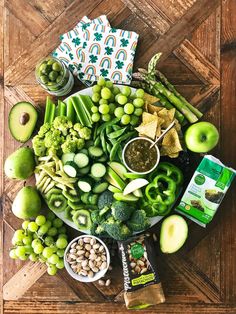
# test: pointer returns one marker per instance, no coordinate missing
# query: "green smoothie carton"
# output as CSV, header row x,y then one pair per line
x,y
206,190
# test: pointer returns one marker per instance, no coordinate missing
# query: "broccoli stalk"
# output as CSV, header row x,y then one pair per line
x,y
116,229
121,210
138,221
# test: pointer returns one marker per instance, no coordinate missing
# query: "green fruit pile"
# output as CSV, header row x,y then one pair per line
x,y
41,240
111,101
50,72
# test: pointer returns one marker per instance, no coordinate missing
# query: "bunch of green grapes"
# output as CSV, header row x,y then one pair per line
x,y
111,101
41,240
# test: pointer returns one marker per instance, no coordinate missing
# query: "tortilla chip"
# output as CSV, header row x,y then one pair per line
x,y
148,129
147,117
164,115
158,130
171,114
149,99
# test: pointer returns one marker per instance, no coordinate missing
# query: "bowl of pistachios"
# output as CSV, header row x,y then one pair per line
x,y
87,258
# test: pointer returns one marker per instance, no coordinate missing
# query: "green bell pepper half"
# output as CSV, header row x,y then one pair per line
x,y
171,171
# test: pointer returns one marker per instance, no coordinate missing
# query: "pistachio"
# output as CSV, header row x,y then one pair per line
x,y
86,240
108,282
143,270
103,266
73,245
80,252
90,274
87,247
101,282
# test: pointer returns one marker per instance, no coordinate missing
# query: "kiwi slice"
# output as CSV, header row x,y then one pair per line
x,y
82,219
68,213
52,192
75,205
71,197
57,202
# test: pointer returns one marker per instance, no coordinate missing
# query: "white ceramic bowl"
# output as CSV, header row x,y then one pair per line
x,y
97,275
151,142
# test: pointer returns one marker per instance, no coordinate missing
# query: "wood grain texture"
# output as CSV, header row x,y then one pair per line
x,y
198,40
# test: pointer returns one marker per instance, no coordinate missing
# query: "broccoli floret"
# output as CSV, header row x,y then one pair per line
x,y
69,146
52,151
138,221
105,199
121,211
39,146
100,230
63,124
44,129
116,229
96,217
53,139
85,133
77,127
73,133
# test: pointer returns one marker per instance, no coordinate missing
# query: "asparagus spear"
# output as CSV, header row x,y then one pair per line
x,y
171,88
152,64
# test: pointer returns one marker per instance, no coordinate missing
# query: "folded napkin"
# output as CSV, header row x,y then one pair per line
x,y
93,49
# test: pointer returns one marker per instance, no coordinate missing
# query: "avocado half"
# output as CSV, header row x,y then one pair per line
x,y
22,120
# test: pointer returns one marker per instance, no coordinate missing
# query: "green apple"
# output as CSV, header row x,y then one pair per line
x,y
20,164
27,203
201,137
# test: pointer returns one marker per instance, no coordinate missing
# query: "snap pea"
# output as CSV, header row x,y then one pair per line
x,y
119,153
126,136
117,133
97,141
109,147
104,125
103,141
116,127
108,129
114,151
95,132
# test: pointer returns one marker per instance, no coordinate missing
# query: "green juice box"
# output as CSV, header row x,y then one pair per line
x,y
206,190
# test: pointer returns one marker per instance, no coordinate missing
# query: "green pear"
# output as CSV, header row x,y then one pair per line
x,y
27,203
20,164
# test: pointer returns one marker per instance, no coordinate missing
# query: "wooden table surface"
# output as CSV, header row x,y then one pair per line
x,y
198,40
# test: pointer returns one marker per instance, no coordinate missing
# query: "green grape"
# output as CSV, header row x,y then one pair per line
x,y
103,102
35,242
47,252
106,93
122,99
138,112
126,90
96,89
95,117
61,243
94,109
138,102
112,98
140,93
52,231
112,107
106,117
52,270
101,81
134,120
96,97
33,227
25,224
129,108
12,254
42,259
14,242
40,220
60,264
109,84
35,236
60,253
116,96
20,251
125,119
62,235
19,235
48,223
132,97
28,249
48,240
116,90
104,109
42,230
33,257
23,257
119,112
57,223
54,248
50,216
27,240
53,259
38,248
62,229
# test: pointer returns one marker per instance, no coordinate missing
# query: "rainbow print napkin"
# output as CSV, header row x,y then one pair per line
x,y
94,48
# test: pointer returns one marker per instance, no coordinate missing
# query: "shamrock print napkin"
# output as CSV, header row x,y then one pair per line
x,y
94,49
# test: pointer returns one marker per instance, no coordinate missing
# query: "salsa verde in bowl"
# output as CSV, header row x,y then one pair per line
x,y
138,157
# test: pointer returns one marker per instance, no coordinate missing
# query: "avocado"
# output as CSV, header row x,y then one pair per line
x,y
22,120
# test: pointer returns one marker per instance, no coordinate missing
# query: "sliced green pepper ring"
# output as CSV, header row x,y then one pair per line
x,y
170,170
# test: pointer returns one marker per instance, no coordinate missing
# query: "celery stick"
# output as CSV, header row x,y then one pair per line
x,y
70,111
80,111
52,113
61,108
48,109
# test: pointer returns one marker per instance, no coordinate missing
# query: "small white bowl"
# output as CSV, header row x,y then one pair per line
x,y
97,275
151,142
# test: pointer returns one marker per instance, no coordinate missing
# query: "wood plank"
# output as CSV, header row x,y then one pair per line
x,y
23,280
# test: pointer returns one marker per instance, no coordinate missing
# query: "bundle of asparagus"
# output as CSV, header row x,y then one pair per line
x,y
156,84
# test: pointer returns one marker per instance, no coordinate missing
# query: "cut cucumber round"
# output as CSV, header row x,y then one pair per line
x,y
71,169
84,170
98,170
95,152
100,187
81,160
85,184
67,157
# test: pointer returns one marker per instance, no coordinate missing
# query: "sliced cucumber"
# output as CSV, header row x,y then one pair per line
x,y
114,189
67,157
131,175
125,198
88,143
118,168
98,170
100,187
119,182
81,160
71,169
85,184
103,158
95,152
84,151
93,199
85,198
84,170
